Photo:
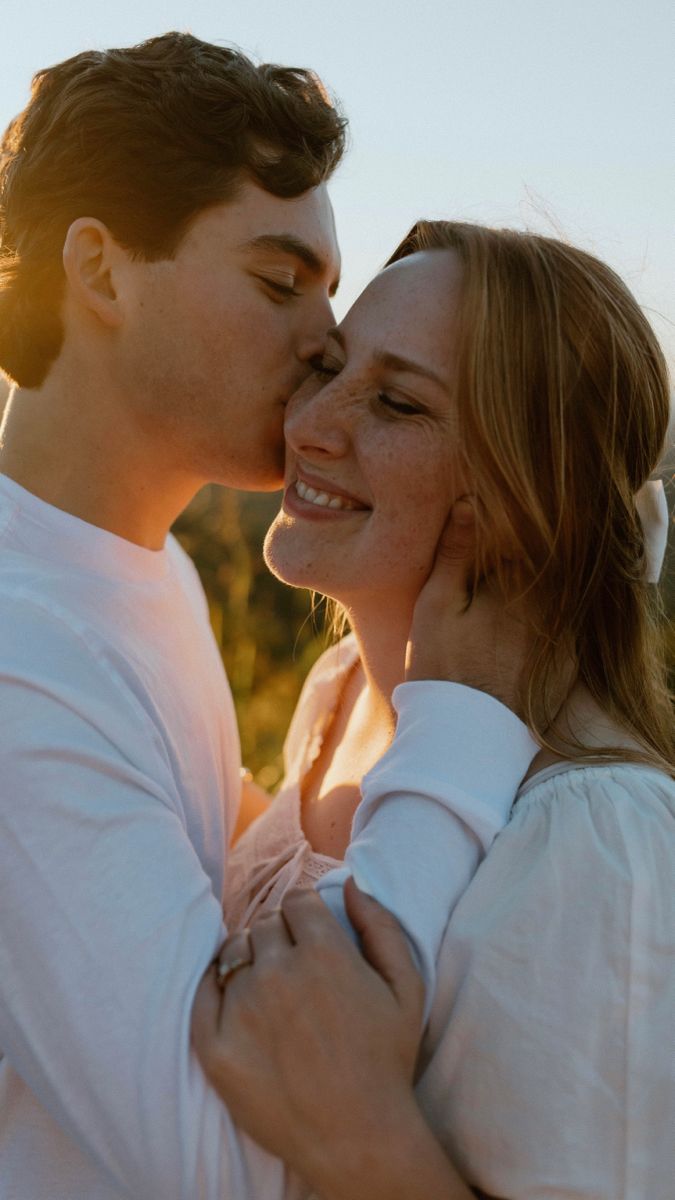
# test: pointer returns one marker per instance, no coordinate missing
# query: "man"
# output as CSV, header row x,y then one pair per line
x,y
168,257
167,260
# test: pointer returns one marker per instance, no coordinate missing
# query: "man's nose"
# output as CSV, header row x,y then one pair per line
x,y
318,320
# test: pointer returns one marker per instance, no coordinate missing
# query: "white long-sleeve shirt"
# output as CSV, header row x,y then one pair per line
x,y
119,784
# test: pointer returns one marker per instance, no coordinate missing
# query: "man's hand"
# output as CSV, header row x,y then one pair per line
x,y
312,1049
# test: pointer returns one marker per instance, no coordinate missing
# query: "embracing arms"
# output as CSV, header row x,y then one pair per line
x,y
109,921
314,1051
425,828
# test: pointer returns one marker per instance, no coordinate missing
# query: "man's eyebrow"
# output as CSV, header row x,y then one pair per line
x,y
384,358
288,243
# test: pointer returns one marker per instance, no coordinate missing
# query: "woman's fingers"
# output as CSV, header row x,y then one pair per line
x,y
483,644
235,953
445,593
269,934
206,1016
458,540
237,948
309,921
385,947
454,565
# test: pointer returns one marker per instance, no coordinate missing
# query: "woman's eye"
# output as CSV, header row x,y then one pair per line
x,y
399,406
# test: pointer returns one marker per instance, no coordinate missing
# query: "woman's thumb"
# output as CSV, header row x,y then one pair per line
x,y
458,540
385,947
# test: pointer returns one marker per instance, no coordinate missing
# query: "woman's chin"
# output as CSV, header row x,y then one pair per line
x,y
285,566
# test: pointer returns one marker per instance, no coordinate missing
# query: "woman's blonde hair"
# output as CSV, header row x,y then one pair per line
x,y
563,399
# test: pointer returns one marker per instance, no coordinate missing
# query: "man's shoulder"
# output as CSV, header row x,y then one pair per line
x,y
45,642
34,589
52,643
186,571
62,683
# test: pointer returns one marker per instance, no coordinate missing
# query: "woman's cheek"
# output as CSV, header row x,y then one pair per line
x,y
416,530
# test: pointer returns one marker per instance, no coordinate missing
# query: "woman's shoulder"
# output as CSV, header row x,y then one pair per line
x,y
556,987
603,814
576,890
628,791
578,833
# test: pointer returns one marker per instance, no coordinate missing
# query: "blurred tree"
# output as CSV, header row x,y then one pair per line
x,y
267,633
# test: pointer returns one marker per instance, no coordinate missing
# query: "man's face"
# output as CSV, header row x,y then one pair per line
x,y
220,336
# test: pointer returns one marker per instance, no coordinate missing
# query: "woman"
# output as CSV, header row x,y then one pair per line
x,y
519,372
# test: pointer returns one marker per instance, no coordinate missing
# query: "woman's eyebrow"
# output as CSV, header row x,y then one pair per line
x,y
288,243
395,362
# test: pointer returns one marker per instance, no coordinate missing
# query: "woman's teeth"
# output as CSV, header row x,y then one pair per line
x,y
323,499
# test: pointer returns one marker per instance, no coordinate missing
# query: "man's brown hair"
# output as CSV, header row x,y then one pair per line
x,y
142,138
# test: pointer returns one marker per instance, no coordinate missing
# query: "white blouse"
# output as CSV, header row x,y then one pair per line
x,y
548,1066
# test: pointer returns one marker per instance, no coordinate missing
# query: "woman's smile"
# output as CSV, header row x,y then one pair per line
x,y
372,463
317,498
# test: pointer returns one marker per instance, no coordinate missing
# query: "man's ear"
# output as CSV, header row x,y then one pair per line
x,y
91,261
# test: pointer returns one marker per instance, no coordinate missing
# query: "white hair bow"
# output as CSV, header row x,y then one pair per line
x,y
653,512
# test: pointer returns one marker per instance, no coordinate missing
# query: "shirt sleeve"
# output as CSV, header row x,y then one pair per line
x,y
108,923
431,808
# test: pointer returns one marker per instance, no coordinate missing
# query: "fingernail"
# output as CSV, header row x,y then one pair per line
x,y
462,513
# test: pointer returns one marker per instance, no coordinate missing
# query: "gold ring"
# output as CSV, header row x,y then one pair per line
x,y
225,969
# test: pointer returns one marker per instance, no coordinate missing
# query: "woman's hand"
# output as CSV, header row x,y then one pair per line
x,y
467,634
313,1050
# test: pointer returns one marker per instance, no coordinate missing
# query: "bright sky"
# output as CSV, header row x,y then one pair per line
x,y
555,115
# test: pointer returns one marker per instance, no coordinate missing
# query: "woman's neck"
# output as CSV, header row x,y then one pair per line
x,y
582,723
359,731
381,631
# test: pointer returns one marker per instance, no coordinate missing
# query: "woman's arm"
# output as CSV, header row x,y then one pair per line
x,y
433,805
314,1052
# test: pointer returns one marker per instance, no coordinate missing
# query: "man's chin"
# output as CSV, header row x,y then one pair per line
x,y
258,477
261,483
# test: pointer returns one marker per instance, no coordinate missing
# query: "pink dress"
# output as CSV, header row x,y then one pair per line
x,y
274,854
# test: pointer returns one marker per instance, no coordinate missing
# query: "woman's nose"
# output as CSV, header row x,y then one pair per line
x,y
314,423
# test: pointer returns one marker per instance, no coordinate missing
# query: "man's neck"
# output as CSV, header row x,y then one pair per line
x,y
89,460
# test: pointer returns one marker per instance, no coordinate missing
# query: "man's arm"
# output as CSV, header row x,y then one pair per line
x,y
109,922
431,809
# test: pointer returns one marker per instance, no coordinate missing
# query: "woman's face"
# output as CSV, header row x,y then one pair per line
x,y
372,465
